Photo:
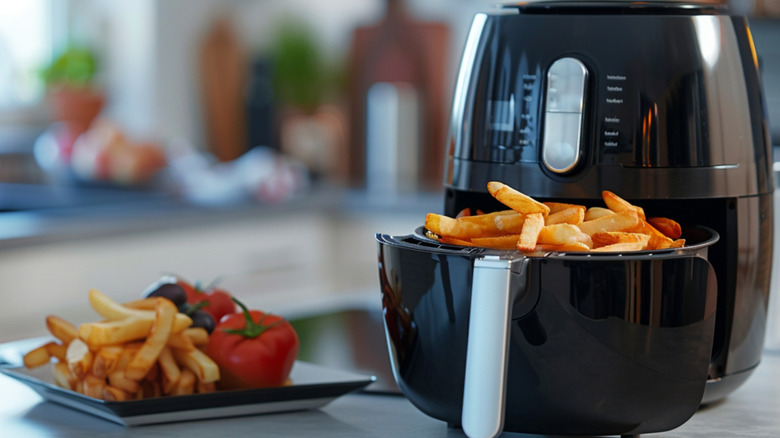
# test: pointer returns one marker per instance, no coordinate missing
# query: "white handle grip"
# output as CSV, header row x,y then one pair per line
x,y
486,358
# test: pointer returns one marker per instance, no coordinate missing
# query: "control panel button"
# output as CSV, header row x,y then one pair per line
x,y
561,151
564,106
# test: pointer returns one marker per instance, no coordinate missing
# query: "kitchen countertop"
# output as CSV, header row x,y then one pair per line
x,y
35,214
751,411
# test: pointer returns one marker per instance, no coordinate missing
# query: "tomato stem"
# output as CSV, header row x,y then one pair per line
x,y
251,329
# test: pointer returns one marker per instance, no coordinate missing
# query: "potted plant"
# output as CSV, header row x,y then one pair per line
x,y
73,97
312,124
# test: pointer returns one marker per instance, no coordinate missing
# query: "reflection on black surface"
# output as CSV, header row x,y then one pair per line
x,y
351,339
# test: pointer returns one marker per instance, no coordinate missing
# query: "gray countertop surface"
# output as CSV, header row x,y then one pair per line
x,y
751,411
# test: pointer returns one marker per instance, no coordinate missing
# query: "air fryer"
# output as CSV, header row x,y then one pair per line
x,y
659,102
670,117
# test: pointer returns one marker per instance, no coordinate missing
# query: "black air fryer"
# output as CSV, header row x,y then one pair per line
x,y
659,102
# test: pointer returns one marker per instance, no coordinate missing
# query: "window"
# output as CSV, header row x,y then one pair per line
x,y
26,44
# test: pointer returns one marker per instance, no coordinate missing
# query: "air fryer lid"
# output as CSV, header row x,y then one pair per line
x,y
661,7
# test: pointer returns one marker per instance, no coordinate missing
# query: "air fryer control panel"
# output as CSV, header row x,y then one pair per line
x,y
613,90
637,100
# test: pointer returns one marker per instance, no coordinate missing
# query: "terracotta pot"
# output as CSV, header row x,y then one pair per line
x,y
76,108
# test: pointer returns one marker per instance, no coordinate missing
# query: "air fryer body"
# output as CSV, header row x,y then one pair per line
x,y
599,344
657,102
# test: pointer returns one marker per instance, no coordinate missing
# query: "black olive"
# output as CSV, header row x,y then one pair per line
x,y
201,318
171,291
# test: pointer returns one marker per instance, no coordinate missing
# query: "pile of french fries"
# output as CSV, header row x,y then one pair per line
x,y
531,226
142,349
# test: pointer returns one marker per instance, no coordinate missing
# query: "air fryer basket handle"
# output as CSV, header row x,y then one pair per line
x,y
492,296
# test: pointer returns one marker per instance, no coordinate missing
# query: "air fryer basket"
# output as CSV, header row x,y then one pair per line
x,y
613,343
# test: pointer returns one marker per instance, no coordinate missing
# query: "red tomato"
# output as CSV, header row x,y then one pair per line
x,y
219,303
253,349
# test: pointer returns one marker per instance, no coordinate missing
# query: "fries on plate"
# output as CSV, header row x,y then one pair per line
x,y
143,349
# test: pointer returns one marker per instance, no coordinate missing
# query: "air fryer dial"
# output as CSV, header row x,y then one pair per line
x,y
563,119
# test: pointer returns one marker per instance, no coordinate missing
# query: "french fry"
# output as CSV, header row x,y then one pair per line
x,y
205,388
657,242
668,227
183,341
596,212
515,200
154,373
484,216
61,329
56,350
93,386
204,368
605,238
143,304
507,224
37,357
111,393
499,242
618,204
620,247
621,221
560,234
573,215
101,333
117,377
63,377
186,383
484,225
79,358
147,355
111,310
198,335
455,241
106,360
531,229
170,370
555,207
657,239
447,226
502,222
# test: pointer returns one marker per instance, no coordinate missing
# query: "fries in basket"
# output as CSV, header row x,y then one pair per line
x,y
532,226
142,349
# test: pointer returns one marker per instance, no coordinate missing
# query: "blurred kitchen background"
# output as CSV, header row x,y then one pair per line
x,y
259,142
